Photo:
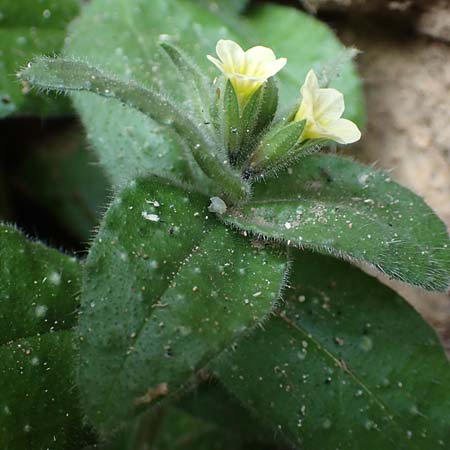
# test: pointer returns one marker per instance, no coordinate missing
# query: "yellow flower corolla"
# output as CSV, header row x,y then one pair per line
x,y
322,109
246,70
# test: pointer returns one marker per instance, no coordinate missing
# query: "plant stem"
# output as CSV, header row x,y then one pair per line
x,y
69,75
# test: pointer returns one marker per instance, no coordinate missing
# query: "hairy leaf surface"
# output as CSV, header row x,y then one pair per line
x,y
26,29
39,287
334,205
39,400
166,288
346,363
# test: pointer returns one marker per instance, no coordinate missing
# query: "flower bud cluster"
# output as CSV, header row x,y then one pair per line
x,y
256,143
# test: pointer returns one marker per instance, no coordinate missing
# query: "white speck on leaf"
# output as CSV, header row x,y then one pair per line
x,y
55,278
150,217
155,203
217,205
41,310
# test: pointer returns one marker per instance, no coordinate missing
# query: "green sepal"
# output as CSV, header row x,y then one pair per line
x,y
231,120
243,124
276,147
257,115
299,150
193,80
216,105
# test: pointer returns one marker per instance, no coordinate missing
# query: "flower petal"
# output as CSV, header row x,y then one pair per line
x,y
309,92
305,111
256,59
329,105
274,67
231,55
343,131
216,62
310,86
247,71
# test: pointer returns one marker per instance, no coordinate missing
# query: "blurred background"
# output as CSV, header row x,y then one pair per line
x,y
405,67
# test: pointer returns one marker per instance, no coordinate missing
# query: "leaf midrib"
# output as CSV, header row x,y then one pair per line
x,y
233,218
181,263
346,370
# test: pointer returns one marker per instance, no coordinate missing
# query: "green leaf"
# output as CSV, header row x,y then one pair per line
x,y
207,417
39,406
181,431
225,6
61,175
26,29
211,403
334,205
346,363
128,143
173,429
38,399
39,287
67,75
165,289
177,428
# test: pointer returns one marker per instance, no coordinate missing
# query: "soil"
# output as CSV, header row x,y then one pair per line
x,y
407,84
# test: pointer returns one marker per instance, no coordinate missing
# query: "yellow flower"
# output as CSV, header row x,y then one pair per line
x,y
322,109
246,70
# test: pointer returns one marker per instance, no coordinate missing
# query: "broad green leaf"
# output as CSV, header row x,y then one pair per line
x,y
172,429
181,431
28,28
39,287
207,417
62,176
166,288
346,363
39,406
334,205
225,6
128,143
212,403
38,399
